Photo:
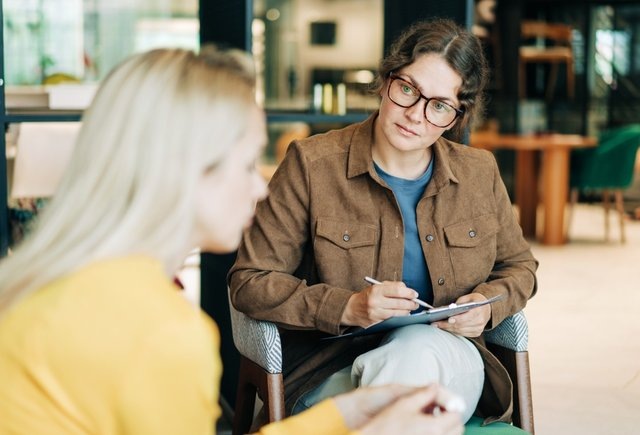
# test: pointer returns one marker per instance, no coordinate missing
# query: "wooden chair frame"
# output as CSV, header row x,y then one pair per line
x,y
267,382
561,52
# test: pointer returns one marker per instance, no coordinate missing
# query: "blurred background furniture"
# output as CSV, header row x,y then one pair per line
x,y
555,150
553,46
608,167
42,152
261,371
295,131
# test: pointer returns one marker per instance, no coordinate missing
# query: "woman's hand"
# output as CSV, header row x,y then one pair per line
x,y
471,323
379,302
401,409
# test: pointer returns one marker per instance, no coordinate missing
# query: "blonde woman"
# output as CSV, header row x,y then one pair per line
x,y
94,336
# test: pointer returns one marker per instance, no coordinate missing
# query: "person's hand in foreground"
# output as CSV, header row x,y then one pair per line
x,y
402,409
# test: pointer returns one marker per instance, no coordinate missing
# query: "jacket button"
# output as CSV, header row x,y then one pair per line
x,y
472,234
346,237
430,238
441,281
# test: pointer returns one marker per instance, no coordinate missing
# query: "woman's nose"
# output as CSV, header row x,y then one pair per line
x,y
416,112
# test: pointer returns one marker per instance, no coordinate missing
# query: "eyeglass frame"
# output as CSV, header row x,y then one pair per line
x,y
393,76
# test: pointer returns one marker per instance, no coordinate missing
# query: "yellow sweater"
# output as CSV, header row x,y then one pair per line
x,y
115,349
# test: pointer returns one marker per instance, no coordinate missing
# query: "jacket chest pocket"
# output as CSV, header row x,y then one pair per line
x,y
472,248
345,252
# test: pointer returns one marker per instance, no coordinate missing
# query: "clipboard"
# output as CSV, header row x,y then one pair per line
x,y
423,317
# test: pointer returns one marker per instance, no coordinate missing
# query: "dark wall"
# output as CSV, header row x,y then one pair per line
x,y
226,22
400,14
214,302
505,99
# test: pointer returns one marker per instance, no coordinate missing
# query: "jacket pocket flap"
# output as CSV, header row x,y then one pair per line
x,y
347,235
472,232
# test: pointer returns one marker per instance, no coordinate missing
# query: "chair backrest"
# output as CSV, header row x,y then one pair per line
x,y
552,46
257,340
559,34
611,164
512,333
509,342
43,152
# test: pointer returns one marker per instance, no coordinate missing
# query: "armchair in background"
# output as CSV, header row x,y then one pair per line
x,y
261,371
607,167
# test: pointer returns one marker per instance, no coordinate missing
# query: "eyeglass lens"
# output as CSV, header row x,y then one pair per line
x,y
406,95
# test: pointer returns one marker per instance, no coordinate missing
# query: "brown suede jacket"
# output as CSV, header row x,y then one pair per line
x,y
330,220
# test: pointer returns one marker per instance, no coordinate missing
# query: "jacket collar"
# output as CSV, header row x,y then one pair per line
x,y
360,160
442,173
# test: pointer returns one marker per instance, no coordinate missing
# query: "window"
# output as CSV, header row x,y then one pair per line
x,y
81,40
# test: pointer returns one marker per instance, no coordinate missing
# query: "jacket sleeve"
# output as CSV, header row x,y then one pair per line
x,y
514,271
262,282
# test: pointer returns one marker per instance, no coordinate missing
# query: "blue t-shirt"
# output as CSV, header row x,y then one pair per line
x,y
415,271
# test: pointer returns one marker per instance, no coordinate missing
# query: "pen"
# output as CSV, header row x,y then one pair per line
x,y
416,300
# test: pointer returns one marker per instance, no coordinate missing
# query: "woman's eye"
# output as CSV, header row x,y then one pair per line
x,y
440,106
408,90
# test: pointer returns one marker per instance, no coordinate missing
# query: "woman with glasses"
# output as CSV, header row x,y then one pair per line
x,y
391,198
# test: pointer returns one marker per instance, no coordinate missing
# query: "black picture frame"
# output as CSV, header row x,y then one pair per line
x,y
323,33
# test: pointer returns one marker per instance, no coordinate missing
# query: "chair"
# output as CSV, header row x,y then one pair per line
x,y
560,52
261,368
258,343
42,153
609,166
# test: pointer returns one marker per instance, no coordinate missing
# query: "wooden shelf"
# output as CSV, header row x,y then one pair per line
x,y
315,118
41,115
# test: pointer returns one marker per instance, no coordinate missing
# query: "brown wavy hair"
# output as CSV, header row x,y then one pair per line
x,y
458,47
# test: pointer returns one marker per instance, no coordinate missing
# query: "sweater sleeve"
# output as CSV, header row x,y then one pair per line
x,y
171,384
324,418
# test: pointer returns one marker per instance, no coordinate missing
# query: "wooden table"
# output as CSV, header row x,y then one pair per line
x,y
555,149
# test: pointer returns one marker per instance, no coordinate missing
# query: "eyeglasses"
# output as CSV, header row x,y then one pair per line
x,y
436,112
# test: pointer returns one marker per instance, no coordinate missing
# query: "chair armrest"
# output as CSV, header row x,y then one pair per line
x,y
512,333
257,340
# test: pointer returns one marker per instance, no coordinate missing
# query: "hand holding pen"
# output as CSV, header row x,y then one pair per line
x,y
377,303
416,300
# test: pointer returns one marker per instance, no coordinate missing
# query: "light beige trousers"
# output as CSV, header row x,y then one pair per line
x,y
411,355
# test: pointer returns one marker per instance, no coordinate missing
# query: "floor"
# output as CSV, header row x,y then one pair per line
x,y
584,327
584,330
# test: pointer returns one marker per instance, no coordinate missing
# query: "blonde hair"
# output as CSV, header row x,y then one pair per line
x,y
159,120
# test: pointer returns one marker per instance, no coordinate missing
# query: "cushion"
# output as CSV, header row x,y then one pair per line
x,y
474,427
